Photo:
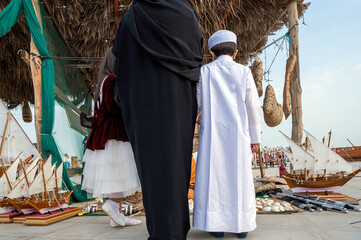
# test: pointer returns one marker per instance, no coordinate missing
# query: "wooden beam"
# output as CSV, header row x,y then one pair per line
x,y
35,67
296,90
66,100
25,56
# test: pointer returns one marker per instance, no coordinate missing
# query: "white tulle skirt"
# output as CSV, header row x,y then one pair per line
x,y
110,173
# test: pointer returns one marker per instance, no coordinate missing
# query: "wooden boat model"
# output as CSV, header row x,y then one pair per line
x,y
45,192
330,182
13,141
6,182
21,187
316,169
40,188
9,182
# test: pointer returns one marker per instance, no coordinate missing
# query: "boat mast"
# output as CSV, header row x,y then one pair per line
x,y
6,174
56,184
26,177
42,172
1,149
329,137
349,142
4,133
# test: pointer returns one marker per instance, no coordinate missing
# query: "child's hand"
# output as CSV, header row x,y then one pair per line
x,y
199,118
254,147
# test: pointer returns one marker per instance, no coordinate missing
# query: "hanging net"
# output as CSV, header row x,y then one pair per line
x,y
64,94
71,97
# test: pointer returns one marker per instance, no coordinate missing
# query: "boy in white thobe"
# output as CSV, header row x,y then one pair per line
x,y
230,131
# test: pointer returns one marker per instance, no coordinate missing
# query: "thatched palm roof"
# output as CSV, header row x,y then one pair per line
x,y
88,29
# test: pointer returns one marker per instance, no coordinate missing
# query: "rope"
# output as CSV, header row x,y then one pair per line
x,y
67,58
279,48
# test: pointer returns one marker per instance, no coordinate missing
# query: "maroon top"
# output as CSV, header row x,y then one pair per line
x,y
107,123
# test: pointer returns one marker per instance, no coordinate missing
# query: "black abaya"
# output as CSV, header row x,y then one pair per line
x,y
158,51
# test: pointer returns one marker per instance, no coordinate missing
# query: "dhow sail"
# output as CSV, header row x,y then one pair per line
x,y
14,138
22,188
8,179
300,158
327,158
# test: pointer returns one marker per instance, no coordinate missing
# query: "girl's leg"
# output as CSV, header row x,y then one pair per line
x,y
118,200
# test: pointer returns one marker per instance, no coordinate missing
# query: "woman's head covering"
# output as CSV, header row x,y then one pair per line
x,y
106,68
168,31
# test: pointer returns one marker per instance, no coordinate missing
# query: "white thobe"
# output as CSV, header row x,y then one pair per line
x,y
231,121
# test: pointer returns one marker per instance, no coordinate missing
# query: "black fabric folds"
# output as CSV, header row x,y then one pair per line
x,y
167,31
158,59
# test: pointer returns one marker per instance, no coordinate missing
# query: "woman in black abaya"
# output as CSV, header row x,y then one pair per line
x,y
158,51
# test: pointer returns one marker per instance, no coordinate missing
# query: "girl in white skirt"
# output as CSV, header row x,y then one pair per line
x,y
110,170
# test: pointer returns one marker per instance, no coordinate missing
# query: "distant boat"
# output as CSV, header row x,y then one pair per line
x,y
347,153
316,169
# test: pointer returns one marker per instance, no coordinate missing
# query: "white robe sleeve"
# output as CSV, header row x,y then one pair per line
x,y
199,95
253,107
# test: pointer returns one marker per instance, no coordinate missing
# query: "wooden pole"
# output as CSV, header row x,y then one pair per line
x,y
4,134
6,174
42,172
260,162
35,67
350,142
116,11
329,138
296,90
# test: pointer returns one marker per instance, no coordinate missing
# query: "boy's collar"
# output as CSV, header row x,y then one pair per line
x,y
225,57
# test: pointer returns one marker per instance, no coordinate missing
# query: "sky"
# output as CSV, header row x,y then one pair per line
x,y
330,64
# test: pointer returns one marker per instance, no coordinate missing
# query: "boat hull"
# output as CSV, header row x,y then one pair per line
x,y
296,183
5,203
19,204
39,204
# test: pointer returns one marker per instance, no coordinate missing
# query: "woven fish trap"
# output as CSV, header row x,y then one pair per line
x,y
257,73
272,110
26,112
290,66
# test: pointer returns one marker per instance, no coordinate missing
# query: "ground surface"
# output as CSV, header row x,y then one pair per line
x,y
305,225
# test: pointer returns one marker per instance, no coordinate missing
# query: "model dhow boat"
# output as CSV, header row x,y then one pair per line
x,y
27,185
45,192
316,169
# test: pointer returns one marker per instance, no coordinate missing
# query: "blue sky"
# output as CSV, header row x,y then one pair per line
x,y
330,63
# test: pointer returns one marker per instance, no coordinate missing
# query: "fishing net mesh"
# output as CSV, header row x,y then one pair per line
x,y
71,95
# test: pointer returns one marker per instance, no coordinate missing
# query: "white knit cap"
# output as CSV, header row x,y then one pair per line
x,y
221,36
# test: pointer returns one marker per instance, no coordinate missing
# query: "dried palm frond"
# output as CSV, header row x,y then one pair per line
x,y
89,28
